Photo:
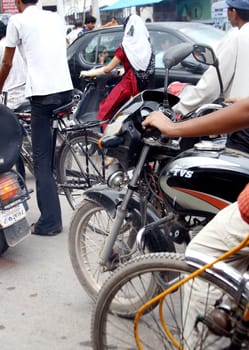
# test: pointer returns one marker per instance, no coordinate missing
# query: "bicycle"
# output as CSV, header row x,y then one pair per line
x,y
141,305
78,163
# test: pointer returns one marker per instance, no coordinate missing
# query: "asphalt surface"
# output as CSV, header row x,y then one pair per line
x,y
42,305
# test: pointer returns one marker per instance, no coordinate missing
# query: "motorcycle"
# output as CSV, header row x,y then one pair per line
x,y
14,194
94,90
167,196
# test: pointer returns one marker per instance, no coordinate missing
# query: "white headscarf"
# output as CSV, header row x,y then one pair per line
x,y
136,43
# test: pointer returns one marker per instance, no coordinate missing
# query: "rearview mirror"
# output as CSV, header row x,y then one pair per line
x,y
204,54
176,54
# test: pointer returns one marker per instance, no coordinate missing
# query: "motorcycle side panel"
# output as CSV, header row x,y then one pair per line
x,y
204,182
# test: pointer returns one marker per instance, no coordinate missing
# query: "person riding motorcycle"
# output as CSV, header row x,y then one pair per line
x,y
231,225
233,56
136,56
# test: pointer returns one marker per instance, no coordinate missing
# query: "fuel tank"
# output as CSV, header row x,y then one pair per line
x,y
203,180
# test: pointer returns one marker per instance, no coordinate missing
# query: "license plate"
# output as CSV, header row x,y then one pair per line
x,y
10,216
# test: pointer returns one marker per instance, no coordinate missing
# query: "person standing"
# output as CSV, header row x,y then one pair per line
x,y
74,32
40,37
136,56
90,23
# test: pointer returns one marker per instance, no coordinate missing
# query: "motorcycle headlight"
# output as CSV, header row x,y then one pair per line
x,y
116,180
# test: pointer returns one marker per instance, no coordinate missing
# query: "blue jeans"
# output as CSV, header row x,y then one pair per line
x,y
46,189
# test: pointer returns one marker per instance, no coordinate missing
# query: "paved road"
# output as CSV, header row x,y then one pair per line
x,y
42,305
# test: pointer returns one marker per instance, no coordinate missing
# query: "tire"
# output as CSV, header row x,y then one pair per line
x,y
90,225
74,175
110,328
3,244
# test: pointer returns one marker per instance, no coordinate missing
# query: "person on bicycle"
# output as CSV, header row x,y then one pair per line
x,y
233,57
136,56
231,225
40,37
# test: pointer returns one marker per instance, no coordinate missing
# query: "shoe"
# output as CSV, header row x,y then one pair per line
x,y
34,231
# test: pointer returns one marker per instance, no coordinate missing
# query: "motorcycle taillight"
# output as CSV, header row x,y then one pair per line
x,y
9,187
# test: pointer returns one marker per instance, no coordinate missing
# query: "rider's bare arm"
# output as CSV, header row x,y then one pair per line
x,y
232,118
6,64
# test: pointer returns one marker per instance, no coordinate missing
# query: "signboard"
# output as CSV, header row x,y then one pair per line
x,y
9,6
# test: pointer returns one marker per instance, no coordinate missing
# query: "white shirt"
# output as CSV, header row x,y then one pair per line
x,y
233,57
15,83
40,37
73,35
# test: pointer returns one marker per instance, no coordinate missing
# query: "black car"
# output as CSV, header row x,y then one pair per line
x,y
83,53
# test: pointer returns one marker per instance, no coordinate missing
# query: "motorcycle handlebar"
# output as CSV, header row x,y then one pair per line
x,y
203,110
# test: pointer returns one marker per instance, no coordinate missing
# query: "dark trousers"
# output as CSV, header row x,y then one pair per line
x,y
46,189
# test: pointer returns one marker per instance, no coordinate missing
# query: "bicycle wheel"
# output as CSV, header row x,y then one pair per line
x,y
80,165
111,331
90,225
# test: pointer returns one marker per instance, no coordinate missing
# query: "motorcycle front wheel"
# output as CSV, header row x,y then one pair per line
x,y
90,226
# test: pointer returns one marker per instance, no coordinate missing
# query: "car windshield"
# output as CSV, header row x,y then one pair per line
x,y
204,34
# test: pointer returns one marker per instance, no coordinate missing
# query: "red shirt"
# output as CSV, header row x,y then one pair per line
x,y
122,92
120,54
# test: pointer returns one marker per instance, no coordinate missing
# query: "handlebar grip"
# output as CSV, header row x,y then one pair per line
x,y
110,141
151,131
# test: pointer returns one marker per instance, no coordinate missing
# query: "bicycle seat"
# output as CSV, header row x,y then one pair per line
x,y
10,138
60,111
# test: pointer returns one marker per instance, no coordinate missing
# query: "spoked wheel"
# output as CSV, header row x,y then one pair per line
x,y
80,165
113,328
90,226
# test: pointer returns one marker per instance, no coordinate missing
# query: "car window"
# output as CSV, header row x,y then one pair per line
x,y
204,34
89,51
110,41
161,42
105,43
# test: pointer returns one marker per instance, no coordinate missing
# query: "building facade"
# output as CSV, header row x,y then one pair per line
x,y
164,10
